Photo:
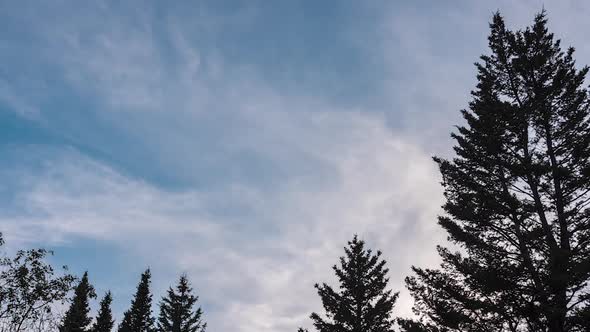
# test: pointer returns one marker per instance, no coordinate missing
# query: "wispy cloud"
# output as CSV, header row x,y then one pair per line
x,y
185,159
264,262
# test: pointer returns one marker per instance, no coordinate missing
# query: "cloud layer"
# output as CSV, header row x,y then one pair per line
x,y
243,145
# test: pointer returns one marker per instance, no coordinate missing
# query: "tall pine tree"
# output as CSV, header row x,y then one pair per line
x,y
76,318
362,303
139,317
104,321
517,196
178,312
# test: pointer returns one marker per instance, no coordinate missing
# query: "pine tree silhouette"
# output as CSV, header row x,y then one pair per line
x,y
76,318
363,303
517,196
177,312
139,317
104,320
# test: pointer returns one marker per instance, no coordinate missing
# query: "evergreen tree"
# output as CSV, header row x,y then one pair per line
x,y
104,320
177,312
139,317
517,196
76,318
362,304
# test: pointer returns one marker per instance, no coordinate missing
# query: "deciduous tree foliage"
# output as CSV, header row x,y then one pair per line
x,y
139,317
362,304
76,318
178,312
104,321
29,287
517,196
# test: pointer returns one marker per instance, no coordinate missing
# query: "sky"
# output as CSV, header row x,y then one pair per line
x,y
240,142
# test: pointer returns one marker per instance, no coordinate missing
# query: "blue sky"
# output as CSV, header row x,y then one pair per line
x,y
240,142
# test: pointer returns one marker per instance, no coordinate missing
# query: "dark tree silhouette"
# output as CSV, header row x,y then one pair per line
x,y
517,196
76,318
139,317
29,288
363,304
104,321
178,312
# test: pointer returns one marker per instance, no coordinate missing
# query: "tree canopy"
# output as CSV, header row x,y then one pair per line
x,y
178,312
76,318
104,320
139,317
363,303
517,196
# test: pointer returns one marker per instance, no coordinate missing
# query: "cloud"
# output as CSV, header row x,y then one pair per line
x,y
258,268
184,159
426,51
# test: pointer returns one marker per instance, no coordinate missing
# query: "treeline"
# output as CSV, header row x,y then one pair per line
x,y
517,208
31,291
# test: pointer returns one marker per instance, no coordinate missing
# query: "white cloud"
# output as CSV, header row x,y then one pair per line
x,y
427,54
384,188
338,172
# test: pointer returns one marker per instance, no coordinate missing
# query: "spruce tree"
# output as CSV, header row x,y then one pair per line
x,y
177,310
76,318
139,317
517,196
362,303
104,321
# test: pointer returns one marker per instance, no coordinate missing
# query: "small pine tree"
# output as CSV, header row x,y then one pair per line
x,y
363,303
76,318
139,317
104,320
177,313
